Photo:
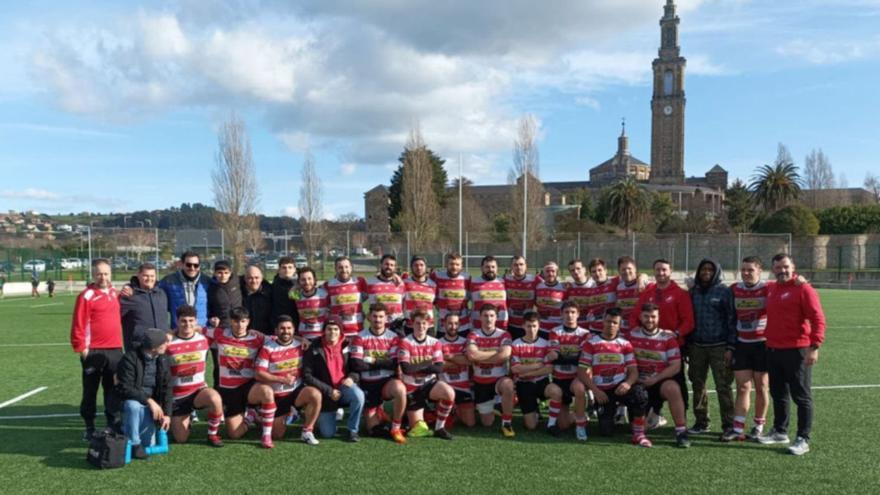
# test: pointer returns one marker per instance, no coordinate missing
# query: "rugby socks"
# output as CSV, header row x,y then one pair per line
x,y
444,407
739,424
638,427
214,420
553,413
506,419
267,416
680,428
759,423
395,425
581,422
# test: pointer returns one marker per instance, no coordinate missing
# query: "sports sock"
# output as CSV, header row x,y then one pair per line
x,y
395,425
739,423
506,419
553,412
307,429
214,420
581,422
267,416
444,407
638,427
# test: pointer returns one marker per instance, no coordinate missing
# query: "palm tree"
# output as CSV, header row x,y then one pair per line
x,y
776,186
627,202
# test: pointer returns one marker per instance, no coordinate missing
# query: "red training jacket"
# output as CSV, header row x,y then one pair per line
x,y
676,309
794,316
96,320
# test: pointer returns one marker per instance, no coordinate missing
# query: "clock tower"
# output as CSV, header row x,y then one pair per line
x,y
667,105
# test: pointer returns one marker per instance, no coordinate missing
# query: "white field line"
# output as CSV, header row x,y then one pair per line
x,y
22,396
822,387
35,345
45,305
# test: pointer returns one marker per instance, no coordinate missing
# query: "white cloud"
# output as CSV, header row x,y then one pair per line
x,y
821,52
30,193
588,101
290,211
347,168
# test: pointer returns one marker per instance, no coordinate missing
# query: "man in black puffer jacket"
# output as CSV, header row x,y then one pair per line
x,y
147,307
256,295
224,293
282,284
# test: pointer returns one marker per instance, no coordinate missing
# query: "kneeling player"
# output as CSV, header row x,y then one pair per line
x,y
279,365
566,340
530,360
489,350
421,359
659,360
237,349
456,370
374,355
187,351
609,369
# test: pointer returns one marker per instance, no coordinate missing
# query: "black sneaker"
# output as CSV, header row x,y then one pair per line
x,y
442,433
88,434
138,452
553,431
682,440
353,437
699,429
381,430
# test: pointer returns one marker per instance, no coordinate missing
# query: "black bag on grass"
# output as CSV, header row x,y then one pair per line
x,y
107,450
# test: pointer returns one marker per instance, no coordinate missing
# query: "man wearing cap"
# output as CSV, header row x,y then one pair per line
x,y
144,387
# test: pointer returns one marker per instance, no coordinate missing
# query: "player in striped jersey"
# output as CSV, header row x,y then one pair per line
x,y
531,359
659,360
566,340
549,296
452,291
312,304
279,365
631,284
187,352
488,289
520,287
608,367
489,351
579,288
456,370
387,288
421,359
237,349
373,354
601,297
749,362
419,293
347,295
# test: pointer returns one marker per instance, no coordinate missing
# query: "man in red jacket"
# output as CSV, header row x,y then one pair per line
x,y
96,335
795,331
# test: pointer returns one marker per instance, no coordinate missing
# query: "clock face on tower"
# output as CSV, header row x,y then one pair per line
x,y
667,110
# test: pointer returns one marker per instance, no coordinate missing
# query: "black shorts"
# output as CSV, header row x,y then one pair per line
x,y
418,398
284,404
484,392
565,385
749,356
530,394
184,406
655,399
373,392
463,396
235,399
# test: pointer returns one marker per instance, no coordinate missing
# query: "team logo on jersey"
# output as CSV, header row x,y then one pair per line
x,y
569,350
492,295
309,314
421,296
352,298
190,357
647,355
627,303
608,358
375,353
452,294
290,364
388,298
519,294
750,303
239,352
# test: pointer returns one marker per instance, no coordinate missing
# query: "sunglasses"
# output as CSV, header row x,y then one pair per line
x,y
192,265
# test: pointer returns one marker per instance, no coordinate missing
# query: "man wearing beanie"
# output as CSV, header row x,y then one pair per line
x,y
144,389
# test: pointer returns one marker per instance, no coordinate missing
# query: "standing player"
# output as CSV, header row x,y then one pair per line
x,y
659,360
530,363
279,365
579,289
346,296
452,291
237,349
630,285
373,353
488,289
609,368
419,293
187,352
489,350
421,359
549,296
387,288
456,370
566,340
520,286
312,304
599,298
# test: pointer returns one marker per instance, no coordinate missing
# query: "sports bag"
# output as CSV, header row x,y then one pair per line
x,y
107,450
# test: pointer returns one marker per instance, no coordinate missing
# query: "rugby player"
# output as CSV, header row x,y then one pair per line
x,y
531,361
489,351
566,340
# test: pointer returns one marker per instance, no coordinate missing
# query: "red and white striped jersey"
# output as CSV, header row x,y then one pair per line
x,y
600,298
580,294
281,360
492,292
345,302
654,353
527,353
387,293
384,346
608,359
313,310
418,295
627,300
187,364
520,297
236,355
452,297
548,302
567,343
751,311
486,373
414,352
457,376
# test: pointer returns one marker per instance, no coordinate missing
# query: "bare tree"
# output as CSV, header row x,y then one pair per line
x,y
817,171
527,192
872,183
420,210
253,238
235,185
474,218
310,208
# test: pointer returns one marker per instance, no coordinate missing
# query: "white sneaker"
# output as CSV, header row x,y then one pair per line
x,y
620,416
654,421
339,414
755,432
581,433
774,438
309,438
799,447
194,417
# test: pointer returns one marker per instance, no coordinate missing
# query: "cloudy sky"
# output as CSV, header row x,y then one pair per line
x,y
114,106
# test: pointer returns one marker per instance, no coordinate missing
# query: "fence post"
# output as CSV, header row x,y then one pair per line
x,y
156,232
578,247
687,250
89,268
407,245
739,241
466,251
634,245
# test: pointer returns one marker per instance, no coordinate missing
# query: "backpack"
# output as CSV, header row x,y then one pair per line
x,y
107,450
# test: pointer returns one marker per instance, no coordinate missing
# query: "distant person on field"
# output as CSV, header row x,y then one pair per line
x,y
50,286
2,283
35,283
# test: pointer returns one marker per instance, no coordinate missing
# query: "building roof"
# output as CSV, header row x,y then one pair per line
x,y
380,187
717,168
632,160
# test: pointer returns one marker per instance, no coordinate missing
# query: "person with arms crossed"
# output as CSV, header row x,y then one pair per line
x,y
347,294
531,359
452,292
488,289
312,304
566,341
419,293
489,350
520,286
386,287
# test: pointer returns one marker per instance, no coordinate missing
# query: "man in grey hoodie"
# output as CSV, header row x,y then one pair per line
x,y
711,344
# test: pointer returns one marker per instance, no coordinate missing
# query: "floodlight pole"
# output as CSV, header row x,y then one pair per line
x,y
460,220
525,213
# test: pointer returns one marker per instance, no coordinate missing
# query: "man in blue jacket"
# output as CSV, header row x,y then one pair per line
x,y
711,345
187,286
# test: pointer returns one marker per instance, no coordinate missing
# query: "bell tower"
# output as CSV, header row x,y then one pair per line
x,y
667,104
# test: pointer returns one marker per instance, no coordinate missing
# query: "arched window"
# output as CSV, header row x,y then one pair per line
x,y
667,82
